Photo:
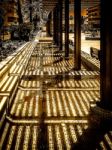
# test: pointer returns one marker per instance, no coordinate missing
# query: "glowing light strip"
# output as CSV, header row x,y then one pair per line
x,y
59,67
13,67
84,72
92,72
63,83
85,83
24,103
22,82
89,97
72,83
48,104
77,84
4,134
58,138
68,84
29,84
71,105
30,111
3,81
50,136
65,103
76,103
20,68
108,140
98,82
93,95
73,133
60,84
2,101
33,83
11,136
94,83
25,83
85,99
85,127
97,93
12,84
81,84
19,134
82,103
36,105
53,103
18,110
7,84
34,141
79,129
66,136
90,84
59,104
81,73
16,67
64,64
66,121
76,73
15,102
103,145
26,138
38,83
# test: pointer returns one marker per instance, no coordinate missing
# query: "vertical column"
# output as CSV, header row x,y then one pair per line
x,y
106,55
30,8
54,25
60,25
51,26
47,28
20,19
77,35
57,26
48,24
66,28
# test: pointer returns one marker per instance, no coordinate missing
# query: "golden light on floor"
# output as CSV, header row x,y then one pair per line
x,y
73,133
11,136
36,112
59,104
66,136
58,137
71,104
19,136
48,105
50,136
65,102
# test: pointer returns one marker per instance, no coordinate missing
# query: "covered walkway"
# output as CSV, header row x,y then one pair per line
x,y
49,99
50,108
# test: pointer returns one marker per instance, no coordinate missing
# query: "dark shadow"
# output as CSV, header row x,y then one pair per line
x,y
42,136
91,137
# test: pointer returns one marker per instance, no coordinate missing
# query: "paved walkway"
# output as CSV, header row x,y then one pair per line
x,y
51,107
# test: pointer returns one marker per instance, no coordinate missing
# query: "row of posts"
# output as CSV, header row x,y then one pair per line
x,y
60,14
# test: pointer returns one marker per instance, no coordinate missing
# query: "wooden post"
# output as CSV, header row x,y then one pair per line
x,y
66,28
77,35
106,55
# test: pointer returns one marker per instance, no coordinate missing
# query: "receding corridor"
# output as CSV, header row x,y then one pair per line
x,y
50,108
55,75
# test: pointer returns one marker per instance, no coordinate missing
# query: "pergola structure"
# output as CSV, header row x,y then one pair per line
x,y
57,9
50,5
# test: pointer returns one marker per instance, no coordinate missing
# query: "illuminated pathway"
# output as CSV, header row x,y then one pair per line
x,y
51,104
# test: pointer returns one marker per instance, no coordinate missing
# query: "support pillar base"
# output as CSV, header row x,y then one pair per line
x,y
101,113
66,58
